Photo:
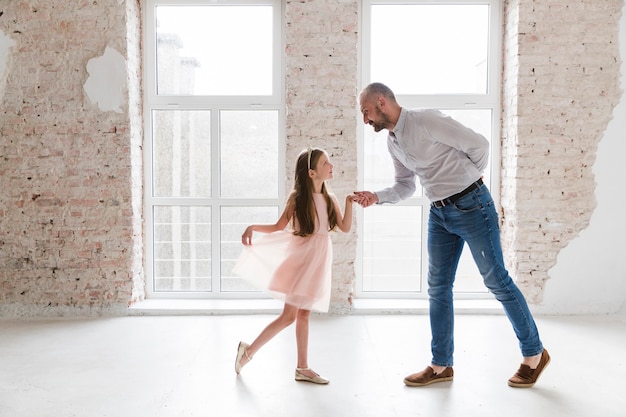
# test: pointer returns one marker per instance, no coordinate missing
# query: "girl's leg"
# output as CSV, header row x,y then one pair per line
x,y
285,318
302,337
302,342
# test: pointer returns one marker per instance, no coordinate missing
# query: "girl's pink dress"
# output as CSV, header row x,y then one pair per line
x,y
292,268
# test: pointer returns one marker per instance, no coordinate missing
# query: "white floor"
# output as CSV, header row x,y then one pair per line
x,y
183,366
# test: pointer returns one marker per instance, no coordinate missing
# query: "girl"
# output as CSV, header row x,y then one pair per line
x,y
296,265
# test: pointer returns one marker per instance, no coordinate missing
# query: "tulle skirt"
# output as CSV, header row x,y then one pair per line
x,y
294,269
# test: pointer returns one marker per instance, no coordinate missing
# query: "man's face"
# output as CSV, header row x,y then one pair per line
x,y
373,116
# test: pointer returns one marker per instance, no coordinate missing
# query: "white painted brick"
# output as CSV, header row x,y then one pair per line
x,y
566,83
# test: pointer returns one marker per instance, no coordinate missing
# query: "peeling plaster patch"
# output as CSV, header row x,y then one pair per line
x,y
107,80
6,44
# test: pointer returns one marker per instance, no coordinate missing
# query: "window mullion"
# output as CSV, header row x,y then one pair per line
x,y
215,199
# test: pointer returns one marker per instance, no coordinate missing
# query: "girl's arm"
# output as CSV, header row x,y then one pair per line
x,y
282,222
344,222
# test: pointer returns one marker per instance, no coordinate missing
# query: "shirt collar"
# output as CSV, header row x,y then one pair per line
x,y
399,127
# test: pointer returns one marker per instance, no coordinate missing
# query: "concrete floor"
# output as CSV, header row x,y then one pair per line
x,y
183,366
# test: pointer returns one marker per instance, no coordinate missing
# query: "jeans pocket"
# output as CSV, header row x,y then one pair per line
x,y
468,203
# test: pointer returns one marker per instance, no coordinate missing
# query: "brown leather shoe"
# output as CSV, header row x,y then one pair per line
x,y
525,377
428,376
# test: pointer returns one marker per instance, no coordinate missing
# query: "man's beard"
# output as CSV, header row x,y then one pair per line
x,y
383,123
377,127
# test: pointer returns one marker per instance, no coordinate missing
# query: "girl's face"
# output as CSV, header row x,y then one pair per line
x,y
324,169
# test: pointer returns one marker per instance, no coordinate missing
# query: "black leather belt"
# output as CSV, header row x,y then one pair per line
x,y
450,200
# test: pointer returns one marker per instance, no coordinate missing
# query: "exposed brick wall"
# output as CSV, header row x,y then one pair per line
x,y
71,173
321,88
70,227
561,83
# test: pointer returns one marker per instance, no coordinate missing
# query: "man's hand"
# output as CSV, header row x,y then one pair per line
x,y
365,198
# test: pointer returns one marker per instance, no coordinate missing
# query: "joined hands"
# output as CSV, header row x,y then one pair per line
x,y
365,198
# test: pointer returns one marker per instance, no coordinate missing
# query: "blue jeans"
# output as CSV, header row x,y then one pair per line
x,y
472,219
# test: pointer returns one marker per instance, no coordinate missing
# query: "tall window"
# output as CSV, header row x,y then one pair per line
x,y
436,54
213,147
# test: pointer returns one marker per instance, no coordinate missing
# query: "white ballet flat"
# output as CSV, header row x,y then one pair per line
x,y
318,379
242,350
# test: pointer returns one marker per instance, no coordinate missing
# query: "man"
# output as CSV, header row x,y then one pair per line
x,y
449,160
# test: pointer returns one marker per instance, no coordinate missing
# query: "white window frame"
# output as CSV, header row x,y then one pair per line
x,y
215,104
490,100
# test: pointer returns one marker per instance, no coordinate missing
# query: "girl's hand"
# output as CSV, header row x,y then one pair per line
x,y
350,198
246,238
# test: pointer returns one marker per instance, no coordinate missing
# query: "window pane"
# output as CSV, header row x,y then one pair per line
x,y
214,119
214,50
430,49
234,221
182,153
182,248
392,247
249,154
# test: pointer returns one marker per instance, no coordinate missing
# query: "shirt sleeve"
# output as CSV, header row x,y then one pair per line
x,y
403,187
448,131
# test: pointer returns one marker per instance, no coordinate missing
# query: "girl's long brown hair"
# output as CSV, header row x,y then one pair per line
x,y
304,206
